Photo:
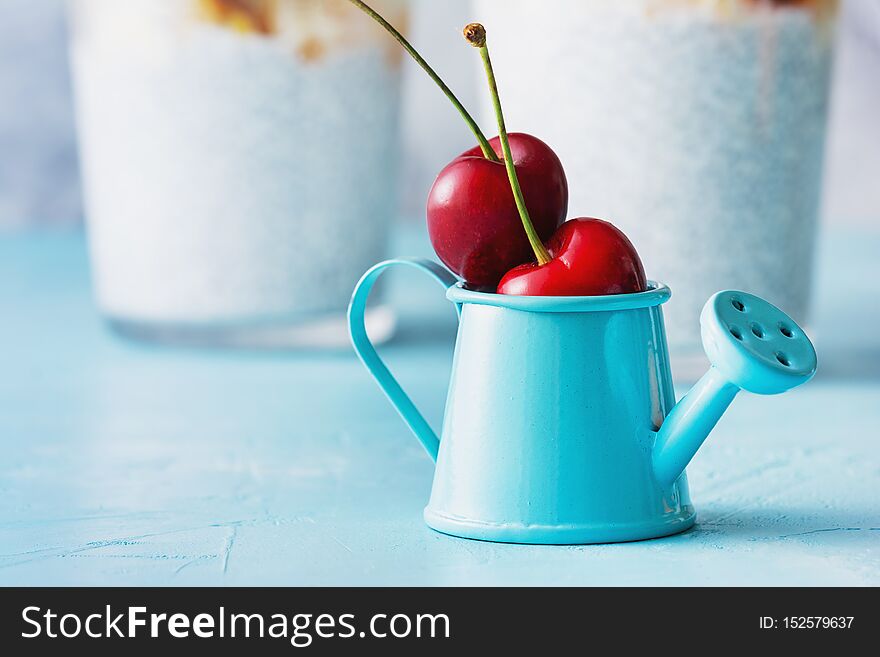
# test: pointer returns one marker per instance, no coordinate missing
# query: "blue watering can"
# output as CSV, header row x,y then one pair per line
x,y
561,424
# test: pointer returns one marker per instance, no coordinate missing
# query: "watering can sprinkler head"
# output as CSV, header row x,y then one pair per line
x,y
753,346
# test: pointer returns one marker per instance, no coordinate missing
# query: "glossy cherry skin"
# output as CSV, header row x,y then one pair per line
x,y
473,222
589,257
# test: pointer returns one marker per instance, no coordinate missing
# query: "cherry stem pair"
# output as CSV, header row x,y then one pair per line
x,y
476,36
488,153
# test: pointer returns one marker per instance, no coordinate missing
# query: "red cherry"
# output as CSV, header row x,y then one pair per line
x,y
589,257
473,222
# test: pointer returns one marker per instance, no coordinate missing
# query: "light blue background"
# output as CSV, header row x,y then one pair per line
x,y
127,464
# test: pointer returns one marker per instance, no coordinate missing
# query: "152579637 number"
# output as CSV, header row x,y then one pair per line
x,y
817,622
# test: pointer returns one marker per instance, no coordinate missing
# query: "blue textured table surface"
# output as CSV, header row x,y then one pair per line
x,y
128,464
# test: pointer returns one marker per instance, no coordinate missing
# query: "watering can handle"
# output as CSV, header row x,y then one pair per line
x,y
367,353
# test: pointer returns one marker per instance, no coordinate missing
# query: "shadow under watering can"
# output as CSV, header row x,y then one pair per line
x,y
561,424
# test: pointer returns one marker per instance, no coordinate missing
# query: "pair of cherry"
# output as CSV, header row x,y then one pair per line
x,y
475,229
496,212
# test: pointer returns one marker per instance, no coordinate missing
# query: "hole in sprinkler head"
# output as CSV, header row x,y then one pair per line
x,y
736,303
785,331
783,359
735,332
757,330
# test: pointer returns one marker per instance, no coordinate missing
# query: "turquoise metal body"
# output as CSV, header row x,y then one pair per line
x,y
560,423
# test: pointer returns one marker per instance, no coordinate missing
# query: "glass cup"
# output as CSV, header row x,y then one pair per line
x,y
239,159
696,126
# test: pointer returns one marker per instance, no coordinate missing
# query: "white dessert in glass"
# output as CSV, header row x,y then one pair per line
x,y
239,160
696,126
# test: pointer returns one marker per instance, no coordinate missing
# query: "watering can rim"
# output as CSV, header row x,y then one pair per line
x,y
656,294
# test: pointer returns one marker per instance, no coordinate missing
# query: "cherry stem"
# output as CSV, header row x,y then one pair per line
x,y
476,36
488,152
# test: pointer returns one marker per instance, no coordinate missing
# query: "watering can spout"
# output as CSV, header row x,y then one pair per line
x,y
752,346
689,424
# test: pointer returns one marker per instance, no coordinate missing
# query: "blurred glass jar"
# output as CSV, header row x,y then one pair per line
x,y
239,159
697,126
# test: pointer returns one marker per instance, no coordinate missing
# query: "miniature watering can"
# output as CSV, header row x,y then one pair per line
x,y
561,424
